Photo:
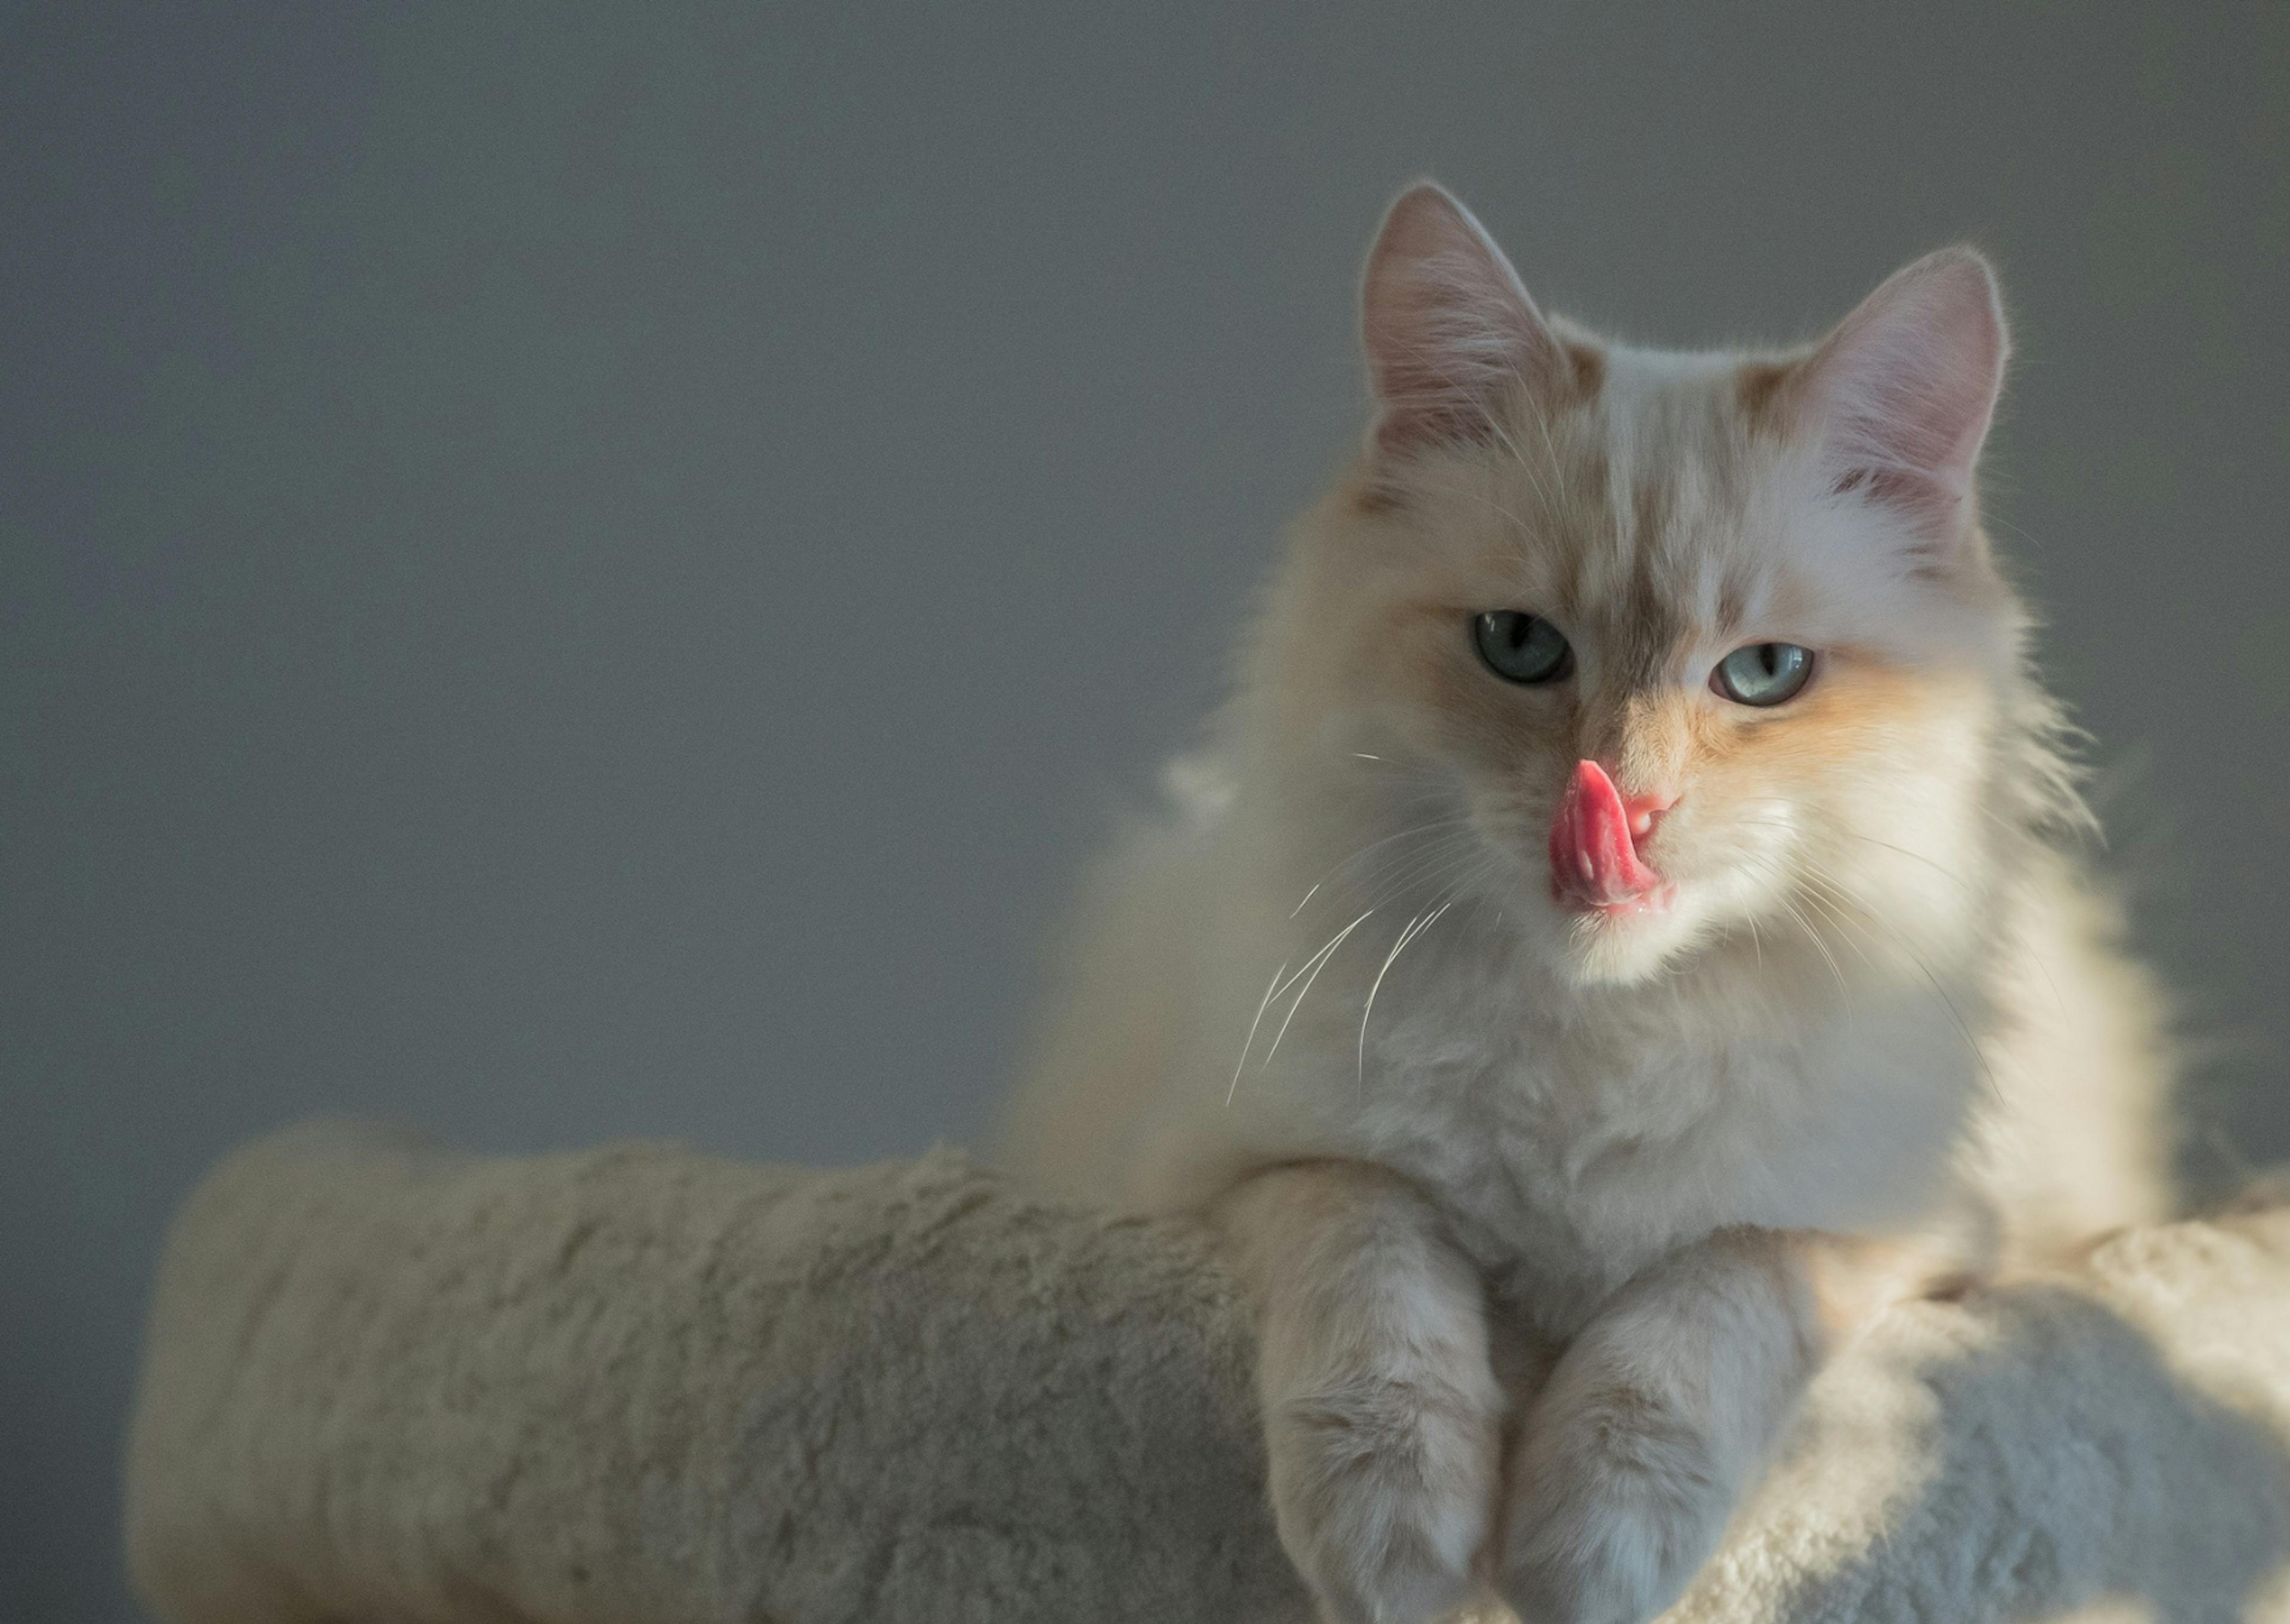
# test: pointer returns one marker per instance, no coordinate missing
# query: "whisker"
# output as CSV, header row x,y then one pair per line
x,y
1416,927
1263,1005
1813,865
1313,963
1372,845
1319,963
1812,935
1424,866
1557,471
1900,942
1828,909
1369,1009
1854,834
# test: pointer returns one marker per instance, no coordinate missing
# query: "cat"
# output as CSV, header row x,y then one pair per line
x,y
1625,929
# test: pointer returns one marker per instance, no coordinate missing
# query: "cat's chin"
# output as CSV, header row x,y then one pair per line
x,y
1623,945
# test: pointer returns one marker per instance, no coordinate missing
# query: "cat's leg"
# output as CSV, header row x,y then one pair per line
x,y
1634,1457
1382,1416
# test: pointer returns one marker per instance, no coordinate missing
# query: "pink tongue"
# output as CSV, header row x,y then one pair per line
x,y
1592,860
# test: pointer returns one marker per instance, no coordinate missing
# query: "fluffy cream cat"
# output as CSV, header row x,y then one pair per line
x,y
1622,931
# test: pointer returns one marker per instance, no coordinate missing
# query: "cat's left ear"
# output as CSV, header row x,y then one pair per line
x,y
1901,393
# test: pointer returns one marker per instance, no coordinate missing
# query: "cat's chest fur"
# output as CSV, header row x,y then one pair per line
x,y
1567,1160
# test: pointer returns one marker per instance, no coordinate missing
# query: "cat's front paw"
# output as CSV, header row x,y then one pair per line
x,y
1616,1501
1384,1491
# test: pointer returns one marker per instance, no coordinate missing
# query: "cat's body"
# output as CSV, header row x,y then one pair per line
x,y
1566,1153
1582,1002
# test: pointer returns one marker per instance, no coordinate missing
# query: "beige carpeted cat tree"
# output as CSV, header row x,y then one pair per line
x,y
386,1381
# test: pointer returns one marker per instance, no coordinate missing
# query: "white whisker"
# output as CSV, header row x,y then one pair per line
x,y
1265,1003
1314,963
1319,961
1836,905
1372,845
1406,936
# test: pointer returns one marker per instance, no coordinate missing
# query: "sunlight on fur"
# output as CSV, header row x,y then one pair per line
x,y
1625,928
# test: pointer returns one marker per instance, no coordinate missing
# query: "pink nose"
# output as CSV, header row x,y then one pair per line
x,y
1594,841
1643,812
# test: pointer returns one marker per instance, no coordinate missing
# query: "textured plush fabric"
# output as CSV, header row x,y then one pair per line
x,y
388,1381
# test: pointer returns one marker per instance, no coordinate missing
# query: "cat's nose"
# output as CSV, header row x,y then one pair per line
x,y
1643,811
1642,808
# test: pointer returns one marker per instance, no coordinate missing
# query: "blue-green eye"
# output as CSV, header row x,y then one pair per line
x,y
1521,648
1764,673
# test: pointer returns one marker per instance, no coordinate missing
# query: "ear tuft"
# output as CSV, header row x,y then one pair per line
x,y
1448,327
1903,393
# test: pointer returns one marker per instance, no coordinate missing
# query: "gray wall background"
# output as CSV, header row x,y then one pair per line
x,y
568,574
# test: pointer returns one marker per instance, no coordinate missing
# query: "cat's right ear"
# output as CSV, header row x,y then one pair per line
x,y
1449,328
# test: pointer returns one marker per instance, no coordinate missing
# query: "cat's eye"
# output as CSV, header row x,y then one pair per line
x,y
1763,672
1521,648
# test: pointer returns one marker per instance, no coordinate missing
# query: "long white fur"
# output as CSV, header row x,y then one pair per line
x,y
1586,1191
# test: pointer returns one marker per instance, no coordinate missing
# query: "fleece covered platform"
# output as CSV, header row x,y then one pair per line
x,y
386,1381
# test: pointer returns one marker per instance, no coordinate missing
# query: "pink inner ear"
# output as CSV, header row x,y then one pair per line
x,y
1903,391
1447,325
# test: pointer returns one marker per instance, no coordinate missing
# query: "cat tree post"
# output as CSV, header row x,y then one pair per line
x,y
387,1380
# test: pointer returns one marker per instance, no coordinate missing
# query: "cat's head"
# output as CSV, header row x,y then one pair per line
x,y
1684,649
